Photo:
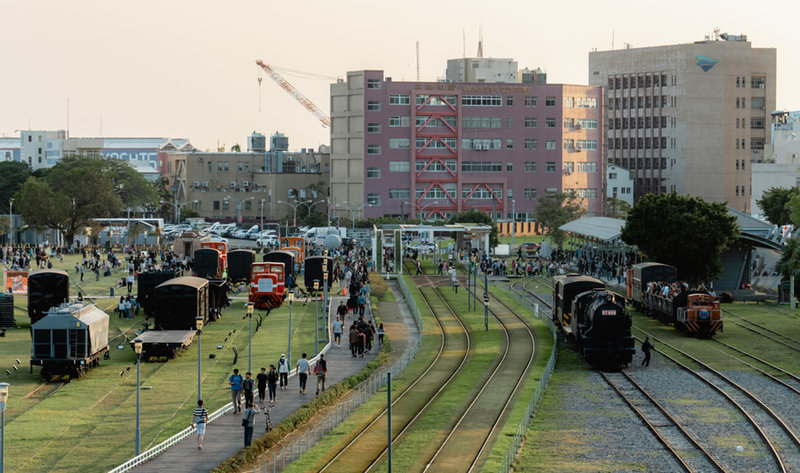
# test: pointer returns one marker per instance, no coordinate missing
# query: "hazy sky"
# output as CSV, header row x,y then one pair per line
x,y
187,68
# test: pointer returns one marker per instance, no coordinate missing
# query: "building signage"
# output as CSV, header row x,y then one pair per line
x,y
705,63
132,155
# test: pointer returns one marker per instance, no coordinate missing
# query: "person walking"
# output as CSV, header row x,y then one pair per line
x,y
353,338
129,281
321,370
248,418
646,348
341,311
248,386
337,331
199,420
235,381
272,384
283,371
303,370
261,379
381,333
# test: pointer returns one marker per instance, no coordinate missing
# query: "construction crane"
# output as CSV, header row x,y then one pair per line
x,y
288,87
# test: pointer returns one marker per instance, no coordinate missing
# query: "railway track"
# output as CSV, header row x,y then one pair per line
x,y
471,432
780,440
760,329
662,424
744,401
451,357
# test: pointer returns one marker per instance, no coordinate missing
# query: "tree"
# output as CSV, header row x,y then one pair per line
x,y
774,203
554,210
790,258
476,216
682,231
12,176
616,208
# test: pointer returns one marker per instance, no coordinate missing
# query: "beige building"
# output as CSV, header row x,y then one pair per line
x,y
227,186
688,118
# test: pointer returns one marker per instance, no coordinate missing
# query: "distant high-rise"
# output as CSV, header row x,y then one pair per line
x,y
688,117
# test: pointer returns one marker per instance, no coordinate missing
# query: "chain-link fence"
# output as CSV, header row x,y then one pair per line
x,y
297,443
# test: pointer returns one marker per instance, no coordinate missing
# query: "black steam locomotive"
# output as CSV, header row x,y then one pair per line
x,y
594,319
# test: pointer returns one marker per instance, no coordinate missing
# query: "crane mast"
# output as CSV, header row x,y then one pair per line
x,y
292,90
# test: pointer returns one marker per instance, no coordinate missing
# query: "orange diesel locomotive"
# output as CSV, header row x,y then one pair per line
x,y
267,285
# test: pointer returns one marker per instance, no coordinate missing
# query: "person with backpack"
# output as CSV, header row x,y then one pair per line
x,y
261,381
235,381
248,386
283,371
272,384
321,370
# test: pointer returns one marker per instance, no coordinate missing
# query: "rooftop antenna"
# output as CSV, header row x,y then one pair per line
x,y
417,60
480,42
627,45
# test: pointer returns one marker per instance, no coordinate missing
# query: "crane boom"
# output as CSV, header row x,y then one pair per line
x,y
288,87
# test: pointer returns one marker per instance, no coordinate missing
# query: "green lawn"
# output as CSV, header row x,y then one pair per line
x,y
88,424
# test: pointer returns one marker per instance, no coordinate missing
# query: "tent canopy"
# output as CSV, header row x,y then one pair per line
x,y
602,228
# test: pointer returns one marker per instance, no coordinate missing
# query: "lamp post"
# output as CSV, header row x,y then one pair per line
x,y
486,295
290,298
262,214
309,204
325,299
198,324
239,206
513,221
137,347
420,209
316,317
176,211
11,222
250,337
294,208
3,399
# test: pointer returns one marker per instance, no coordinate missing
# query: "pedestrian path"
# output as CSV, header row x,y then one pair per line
x,y
225,436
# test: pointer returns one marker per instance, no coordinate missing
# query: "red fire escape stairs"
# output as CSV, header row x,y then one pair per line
x,y
496,203
428,156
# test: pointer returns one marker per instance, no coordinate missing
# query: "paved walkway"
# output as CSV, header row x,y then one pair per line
x,y
225,436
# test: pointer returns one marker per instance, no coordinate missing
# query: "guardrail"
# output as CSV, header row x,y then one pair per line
x,y
536,399
153,452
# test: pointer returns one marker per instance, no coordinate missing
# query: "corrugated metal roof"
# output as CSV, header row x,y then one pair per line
x,y
602,228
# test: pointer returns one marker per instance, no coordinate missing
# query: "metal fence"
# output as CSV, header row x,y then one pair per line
x,y
536,399
297,443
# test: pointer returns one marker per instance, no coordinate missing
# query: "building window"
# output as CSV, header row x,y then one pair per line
x,y
436,143
569,102
585,102
248,204
374,199
756,143
373,127
481,166
550,122
757,123
479,143
756,103
568,168
530,194
226,204
482,100
531,143
531,166
399,121
550,101
399,99
435,166
373,149
510,100
569,123
399,143
373,106
551,190
240,166
437,122
216,205
550,166
531,100
591,144
481,122
374,173
587,123
612,175
758,82
509,167
550,144
209,166
569,144
373,83
219,166
510,122
509,143
225,166
531,122
592,167
399,166
399,193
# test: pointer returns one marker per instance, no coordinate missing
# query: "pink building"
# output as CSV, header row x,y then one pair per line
x,y
440,148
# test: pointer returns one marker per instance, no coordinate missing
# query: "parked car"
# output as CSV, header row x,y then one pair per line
x,y
264,234
267,241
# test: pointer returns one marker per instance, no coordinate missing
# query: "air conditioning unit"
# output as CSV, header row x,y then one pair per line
x,y
233,184
578,147
205,183
196,183
477,145
245,183
578,126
